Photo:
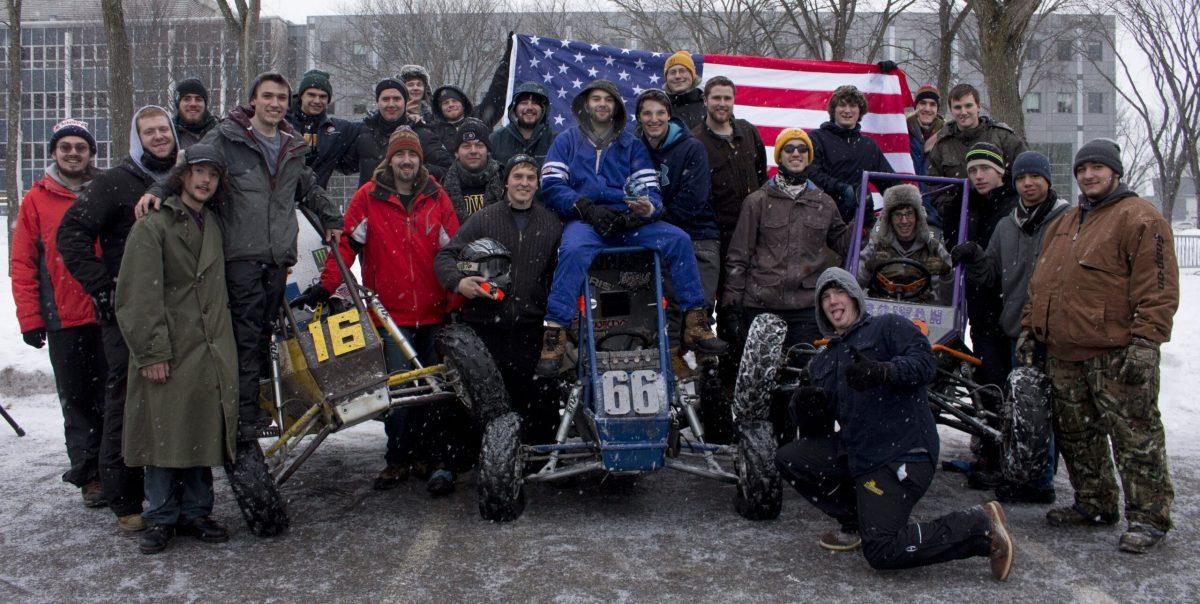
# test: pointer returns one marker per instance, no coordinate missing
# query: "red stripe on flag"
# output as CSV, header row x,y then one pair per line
x,y
888,143
817,100
791,64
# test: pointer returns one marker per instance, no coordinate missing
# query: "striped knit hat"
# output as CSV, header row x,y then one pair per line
x,y
982,153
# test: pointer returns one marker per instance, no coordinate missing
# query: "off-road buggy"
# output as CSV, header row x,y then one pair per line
x,y
629,406
1018,427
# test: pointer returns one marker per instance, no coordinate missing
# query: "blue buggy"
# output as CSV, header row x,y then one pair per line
x,y
630,408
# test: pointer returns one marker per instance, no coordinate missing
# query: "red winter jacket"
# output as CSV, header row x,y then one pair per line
x,y
46,294
397,248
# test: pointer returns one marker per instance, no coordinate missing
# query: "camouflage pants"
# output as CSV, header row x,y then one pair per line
x,y
1091,408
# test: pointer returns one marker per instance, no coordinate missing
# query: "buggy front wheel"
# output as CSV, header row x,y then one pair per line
x,y
499,487
759,491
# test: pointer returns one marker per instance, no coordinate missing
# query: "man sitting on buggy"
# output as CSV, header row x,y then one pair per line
x,y
902,234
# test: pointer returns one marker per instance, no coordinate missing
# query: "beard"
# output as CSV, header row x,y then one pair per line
x,y
69,173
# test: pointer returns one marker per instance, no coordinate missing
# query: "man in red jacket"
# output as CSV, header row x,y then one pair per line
x,y
395,225
52,306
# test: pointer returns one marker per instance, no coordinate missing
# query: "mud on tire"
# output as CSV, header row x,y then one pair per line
x,y
759,492
480,386
498,487
256,493
1025,441
759,368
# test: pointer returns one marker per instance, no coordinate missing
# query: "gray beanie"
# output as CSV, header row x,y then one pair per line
x,y
1031,162
1102,151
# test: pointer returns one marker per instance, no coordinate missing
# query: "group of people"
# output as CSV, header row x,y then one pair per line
x,y
175,330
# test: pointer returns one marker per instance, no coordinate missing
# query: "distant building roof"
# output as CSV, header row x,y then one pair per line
x,y
88,10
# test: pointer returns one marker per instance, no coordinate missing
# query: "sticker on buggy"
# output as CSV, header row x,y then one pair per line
x,y
641,392
345,334
933,316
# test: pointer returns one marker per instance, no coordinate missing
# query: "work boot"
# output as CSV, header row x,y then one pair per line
x,y
441,483
204,528
698,334
93,496
842,540
1002,551
1140,538
131,523
554,348
1080,515
155,538
1024,493
390,478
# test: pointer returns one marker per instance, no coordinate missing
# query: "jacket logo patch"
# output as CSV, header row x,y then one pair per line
x,y
870,486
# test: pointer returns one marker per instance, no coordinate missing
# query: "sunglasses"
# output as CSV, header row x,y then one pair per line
x,y
78,148
795,149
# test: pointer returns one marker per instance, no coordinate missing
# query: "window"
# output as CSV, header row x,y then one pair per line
x,y
1095,102
1033,51
1066,102
1066,51
906,49
1033,102
1095,51
360,108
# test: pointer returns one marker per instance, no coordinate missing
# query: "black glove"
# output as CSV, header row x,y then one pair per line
x,y
102,304
35,337
886,66
604,219
729,323
968,253
630,221
865,374
311,297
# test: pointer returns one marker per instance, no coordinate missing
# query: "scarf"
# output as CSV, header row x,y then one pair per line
x,y
206,122
1030,218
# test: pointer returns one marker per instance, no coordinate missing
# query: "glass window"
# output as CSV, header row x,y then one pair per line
x,y
1066,50
1033,102
1033,51
1095,51
1066,102
1095,102
906,49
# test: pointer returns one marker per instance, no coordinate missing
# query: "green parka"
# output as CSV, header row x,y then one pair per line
x,y
172,305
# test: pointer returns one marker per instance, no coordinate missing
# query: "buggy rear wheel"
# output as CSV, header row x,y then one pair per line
x,y
479,385
758,371
499,488
759,492
1025,443
256,492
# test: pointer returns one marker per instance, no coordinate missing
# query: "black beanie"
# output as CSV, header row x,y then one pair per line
x,y
315,78
472,129
518,160
388,83
70,127
190,86
1102,151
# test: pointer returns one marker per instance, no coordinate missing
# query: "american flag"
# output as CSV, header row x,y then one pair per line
x,y
772,94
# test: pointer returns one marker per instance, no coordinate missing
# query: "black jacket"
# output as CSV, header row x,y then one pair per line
x,y
840,156
533,253
739,168
688,106
444,131
508,141
371,140
985,301
103,212
335,137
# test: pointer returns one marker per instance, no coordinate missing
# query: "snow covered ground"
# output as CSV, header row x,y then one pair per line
x,y
670,537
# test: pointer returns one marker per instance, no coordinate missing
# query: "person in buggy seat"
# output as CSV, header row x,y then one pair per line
x,y
903,233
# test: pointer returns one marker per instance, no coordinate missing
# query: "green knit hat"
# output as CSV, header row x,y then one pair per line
x,y
315,78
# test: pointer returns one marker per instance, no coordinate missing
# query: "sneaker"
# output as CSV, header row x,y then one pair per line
x,y
1003,552
390,478
93,496
1140,538
155,538
441,483
204,528
842,540
1024,493
1080,515
131,523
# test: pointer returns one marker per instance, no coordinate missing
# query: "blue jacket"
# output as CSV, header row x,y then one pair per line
x,y
574,168
882,424
685,179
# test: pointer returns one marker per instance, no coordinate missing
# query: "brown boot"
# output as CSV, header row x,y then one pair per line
x,y
554,348
698,335
1002,550
93,496
131,523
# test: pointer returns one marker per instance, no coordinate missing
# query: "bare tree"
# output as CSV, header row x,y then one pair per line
x,y
120,73
836,30
12,157
713,26
242,24
942,32
1136,153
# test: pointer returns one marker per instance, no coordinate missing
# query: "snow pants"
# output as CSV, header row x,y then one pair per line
x,y
255,295
80,371
581,244
878,503
515,350
122,485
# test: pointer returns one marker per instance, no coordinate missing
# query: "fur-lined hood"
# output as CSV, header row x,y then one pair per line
x,y
897,197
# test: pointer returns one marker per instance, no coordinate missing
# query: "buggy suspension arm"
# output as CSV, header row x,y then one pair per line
x,y
971,424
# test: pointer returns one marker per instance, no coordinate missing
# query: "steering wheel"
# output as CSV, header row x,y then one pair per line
x,y
642,340
909,280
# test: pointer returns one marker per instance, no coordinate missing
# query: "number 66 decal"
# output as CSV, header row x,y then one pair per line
x,y
624,391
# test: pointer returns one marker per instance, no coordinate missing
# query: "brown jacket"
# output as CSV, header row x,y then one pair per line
x,y
780,247
739,168
1098,284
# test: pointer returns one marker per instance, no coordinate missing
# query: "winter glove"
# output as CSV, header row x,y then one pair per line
x,y
35,337
102,304
314,295
865,374
604,219
729,323
969,253
1026,346
886,66
1137,363
849,198
630,221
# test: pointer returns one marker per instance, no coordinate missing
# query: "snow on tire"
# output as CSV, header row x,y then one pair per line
x,y
499,490
1025,440
256,492
758,370
480,386
759,492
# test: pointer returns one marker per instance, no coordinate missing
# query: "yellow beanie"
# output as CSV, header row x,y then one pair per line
x,y
681,57
788,135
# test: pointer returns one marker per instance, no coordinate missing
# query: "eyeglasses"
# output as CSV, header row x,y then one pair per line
x,y
795,149
78,148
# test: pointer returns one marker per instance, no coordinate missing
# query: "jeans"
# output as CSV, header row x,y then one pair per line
x,y
177,495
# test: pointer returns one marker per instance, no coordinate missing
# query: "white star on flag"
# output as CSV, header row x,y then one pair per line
x,y
558,120
549,53
547,77
592,72
624,51
576,83
578,57
640,64
566,43
595,47
637,89
656,54
535,40
562,93
534,62
654,79
623,75
562,69
608,61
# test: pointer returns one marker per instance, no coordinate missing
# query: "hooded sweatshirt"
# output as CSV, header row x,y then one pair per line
x,y
685,179
508,141
156,167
